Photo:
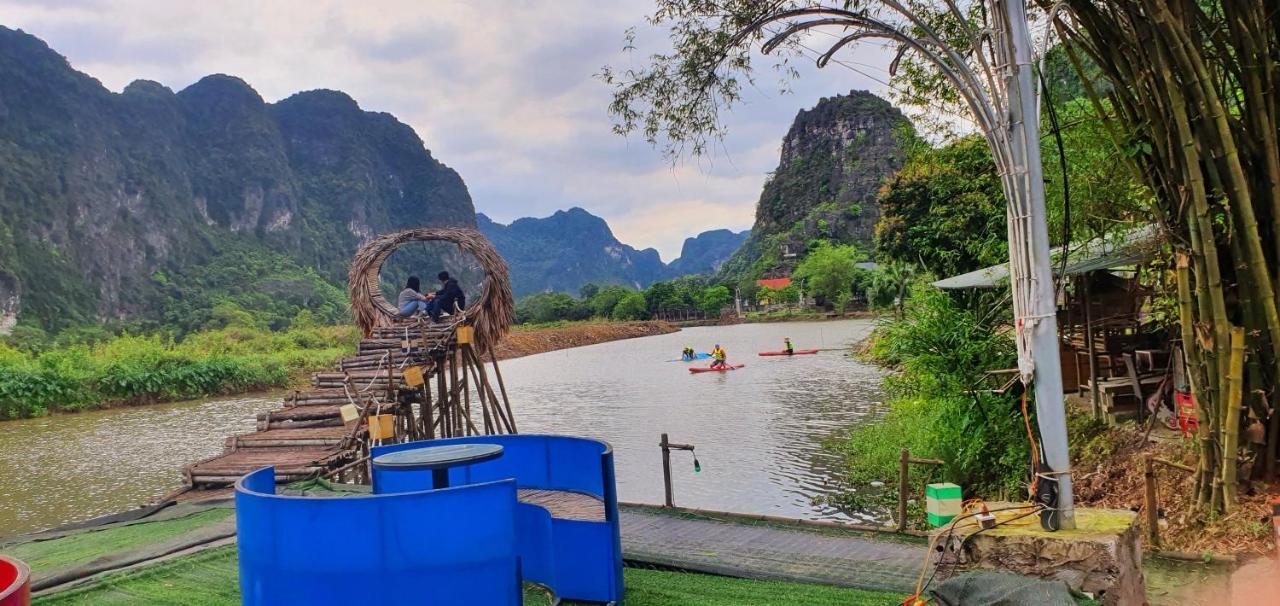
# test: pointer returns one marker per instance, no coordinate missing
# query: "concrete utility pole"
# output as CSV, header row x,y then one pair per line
x,y
1038,323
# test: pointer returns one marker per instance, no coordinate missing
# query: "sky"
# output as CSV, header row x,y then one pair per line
x,y
502,91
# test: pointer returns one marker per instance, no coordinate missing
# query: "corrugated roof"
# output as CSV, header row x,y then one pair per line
x,y
1133,247
774,283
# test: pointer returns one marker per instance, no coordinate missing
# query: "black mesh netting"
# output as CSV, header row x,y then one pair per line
x,y
1001,589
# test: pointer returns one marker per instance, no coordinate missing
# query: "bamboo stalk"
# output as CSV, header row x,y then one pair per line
x,y
1231,419
1191,352
506,403
505,423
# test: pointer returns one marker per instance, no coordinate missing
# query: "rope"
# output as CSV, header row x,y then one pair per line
x,y
1031,438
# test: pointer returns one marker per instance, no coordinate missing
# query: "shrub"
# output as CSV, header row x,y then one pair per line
x,y
936,406
151,368
631,307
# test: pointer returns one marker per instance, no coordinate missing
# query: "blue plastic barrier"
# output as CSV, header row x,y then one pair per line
x,y
577,559
451,546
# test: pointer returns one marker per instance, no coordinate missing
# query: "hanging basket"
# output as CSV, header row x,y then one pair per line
x,y
490,314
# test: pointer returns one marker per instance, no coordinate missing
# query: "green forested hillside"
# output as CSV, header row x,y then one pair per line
x,y
834,158
149,207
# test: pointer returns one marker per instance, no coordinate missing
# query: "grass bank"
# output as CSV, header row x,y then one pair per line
x,y
127,370
131,370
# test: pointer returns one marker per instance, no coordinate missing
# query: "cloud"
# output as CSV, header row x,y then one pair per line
x,y
503,93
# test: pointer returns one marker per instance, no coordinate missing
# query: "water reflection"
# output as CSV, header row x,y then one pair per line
x,y
63,468
758,430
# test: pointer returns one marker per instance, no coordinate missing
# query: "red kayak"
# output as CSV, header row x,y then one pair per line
x,y
798,352
710,369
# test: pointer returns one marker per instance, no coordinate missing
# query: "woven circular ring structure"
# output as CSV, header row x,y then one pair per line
x,y
491,313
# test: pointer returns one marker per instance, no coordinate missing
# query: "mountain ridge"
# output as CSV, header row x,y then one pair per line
x,y
103,194
542,259
834,158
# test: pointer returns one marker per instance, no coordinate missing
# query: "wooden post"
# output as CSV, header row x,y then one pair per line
x,y
1149,501
466,390
666,472
428,423
1094,404
501,421
506,403
1132,369
904,468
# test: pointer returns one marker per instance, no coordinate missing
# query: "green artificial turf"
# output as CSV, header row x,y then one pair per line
x,y
658,588
43,556
209,578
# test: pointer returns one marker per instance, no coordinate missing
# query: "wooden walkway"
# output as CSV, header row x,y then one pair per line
x,y
772,551
306,437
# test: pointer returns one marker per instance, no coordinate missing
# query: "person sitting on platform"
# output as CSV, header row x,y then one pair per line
x,y
718,357
411,301
449,297
786,346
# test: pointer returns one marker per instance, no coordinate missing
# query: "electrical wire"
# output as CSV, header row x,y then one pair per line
x,y
1066,180
929,581
1035,451
971,503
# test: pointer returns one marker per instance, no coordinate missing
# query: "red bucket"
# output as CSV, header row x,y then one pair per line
x,y
15,582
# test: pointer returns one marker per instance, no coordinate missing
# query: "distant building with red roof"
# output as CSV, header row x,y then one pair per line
x,y
774,283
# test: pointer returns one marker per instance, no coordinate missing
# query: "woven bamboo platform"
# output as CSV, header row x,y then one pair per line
x,y
285,438
307,437
291,463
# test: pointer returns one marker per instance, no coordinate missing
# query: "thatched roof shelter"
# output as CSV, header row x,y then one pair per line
x,y
491,313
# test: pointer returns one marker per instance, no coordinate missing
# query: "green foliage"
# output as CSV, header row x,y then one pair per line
x,y
787,295
621,303
936,406
603,302
945,210
135,369
887,286
714,299
828,271
247,285
550,307
631,307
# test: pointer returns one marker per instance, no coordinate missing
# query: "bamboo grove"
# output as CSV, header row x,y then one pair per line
x,y
1189,88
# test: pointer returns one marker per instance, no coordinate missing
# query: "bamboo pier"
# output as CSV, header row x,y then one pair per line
x,y
409,379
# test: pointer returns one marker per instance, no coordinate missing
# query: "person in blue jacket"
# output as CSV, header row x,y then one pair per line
x,y
448,299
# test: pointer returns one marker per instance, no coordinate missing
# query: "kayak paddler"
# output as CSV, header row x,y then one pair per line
x,y
787,348
688,353
718,357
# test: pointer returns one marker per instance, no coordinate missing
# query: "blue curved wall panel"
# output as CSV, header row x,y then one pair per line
x,y
578,559
452,546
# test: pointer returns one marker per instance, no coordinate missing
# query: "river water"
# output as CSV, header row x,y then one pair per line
x,y
758,430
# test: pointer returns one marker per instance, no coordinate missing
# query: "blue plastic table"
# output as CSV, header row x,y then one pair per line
x,y
438,459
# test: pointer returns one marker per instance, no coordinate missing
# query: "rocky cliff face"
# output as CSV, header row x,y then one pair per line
x,y
834,158
706,252
568,249
100,191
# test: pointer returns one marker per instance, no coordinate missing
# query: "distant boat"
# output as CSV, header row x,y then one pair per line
x,y
710,369
698,356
